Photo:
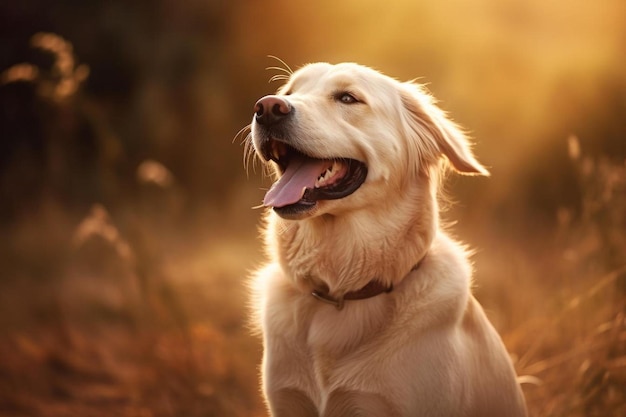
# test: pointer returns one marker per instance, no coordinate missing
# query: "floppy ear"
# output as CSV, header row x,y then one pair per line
x,y
437,134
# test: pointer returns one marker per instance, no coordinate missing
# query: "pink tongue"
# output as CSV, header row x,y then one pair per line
x,y
301,173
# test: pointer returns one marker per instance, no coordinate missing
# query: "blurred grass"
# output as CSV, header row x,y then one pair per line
x,y
125,210
101,335
560,302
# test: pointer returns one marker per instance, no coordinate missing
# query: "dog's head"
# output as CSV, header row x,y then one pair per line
x,y
343,136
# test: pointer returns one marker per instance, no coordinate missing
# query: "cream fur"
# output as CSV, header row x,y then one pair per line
x,y
426,348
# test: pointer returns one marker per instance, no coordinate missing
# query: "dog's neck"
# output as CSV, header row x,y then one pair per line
x,y
344,253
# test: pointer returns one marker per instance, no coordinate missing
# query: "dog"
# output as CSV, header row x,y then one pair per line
x,y
365,306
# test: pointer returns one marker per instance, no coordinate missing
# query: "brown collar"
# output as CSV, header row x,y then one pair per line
x,y
371,289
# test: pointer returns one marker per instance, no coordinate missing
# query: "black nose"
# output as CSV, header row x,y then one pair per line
x,y
270,110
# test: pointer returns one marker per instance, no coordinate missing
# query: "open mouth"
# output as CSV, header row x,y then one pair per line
x,y
305,180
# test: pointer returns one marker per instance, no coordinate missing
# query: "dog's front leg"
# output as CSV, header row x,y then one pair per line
x,y
350,403
289,402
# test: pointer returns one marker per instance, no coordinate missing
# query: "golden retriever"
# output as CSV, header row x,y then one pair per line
x,y
365,305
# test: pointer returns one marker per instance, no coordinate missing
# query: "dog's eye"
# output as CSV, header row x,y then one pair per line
x,y
346,98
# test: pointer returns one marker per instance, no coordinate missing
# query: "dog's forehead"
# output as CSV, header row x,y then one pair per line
x,y
324,76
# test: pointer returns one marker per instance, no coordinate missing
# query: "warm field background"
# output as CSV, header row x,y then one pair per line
x,y
125,210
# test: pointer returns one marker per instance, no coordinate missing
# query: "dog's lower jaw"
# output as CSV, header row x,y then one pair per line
x,y
297,211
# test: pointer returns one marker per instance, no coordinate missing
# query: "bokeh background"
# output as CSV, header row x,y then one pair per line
x,y
126,221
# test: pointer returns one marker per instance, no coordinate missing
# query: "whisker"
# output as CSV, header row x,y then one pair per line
x,y
248,155
278,77
248,149
281,69
289,70
268,172
241,132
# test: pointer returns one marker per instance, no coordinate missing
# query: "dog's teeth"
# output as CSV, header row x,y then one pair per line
x,y
324,176
327,175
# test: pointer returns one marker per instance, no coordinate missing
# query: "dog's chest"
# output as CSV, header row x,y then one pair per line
x,y
340,343
330,372
344,380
